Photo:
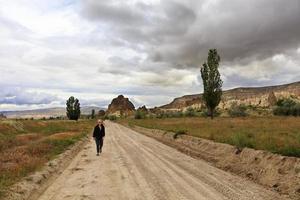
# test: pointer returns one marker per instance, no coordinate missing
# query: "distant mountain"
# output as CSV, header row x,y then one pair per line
x,y
255,96
47,112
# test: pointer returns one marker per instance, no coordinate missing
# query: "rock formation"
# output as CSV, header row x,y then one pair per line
x,y
142,109
263,97
272,99
120,106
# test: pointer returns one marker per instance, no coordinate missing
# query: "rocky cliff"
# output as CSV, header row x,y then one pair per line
x,y
120,106
256,96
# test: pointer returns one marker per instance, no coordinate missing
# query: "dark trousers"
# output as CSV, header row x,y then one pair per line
x,y
99,144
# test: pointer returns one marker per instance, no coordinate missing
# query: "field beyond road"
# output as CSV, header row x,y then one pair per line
x,y
26,145
275,134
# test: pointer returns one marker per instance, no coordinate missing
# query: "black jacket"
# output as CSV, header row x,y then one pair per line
x,y
99,133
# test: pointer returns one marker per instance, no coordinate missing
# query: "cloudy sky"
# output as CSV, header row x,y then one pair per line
x,y
148,50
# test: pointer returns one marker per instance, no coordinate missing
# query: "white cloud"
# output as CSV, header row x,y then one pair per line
x,y
150,51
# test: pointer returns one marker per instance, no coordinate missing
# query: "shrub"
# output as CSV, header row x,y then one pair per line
x,y
179,132
160,115
287,107
111,117
286,102
170,114
190,112
236,110
242,140
205,113
140,115
289,151
177,114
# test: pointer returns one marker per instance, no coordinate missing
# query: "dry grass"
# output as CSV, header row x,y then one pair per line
x,y
276,134
26,145
63,135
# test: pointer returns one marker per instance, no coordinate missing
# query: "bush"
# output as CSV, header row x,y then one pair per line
x,y
170,114
237,110
111,117
190,112
242,140
160,115
139,115
179,132
177,114
205,113
287,107
286,103
289,151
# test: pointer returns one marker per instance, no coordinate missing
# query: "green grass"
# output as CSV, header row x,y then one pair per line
x,y
275,134
26,145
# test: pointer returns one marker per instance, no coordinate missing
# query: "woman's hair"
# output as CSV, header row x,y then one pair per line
x,y
100,121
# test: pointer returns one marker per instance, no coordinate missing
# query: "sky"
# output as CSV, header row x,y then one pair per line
x,y
148,50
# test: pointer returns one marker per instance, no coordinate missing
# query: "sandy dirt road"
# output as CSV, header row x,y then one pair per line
x,y
133,166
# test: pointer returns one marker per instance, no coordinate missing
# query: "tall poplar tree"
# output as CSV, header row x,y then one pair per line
x,y
73,108
212,82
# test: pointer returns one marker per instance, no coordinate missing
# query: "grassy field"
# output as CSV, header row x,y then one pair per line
x,y
276,134
25,145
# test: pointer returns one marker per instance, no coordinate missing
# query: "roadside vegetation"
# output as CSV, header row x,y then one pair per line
x,y
279,135
26,145
236,110
287,107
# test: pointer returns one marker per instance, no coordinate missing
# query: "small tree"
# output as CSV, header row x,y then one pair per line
x,y
212,82
93,114
73,108
101,113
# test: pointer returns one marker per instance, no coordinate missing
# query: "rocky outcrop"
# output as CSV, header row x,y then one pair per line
x,y
142,109
183,102
155,110
120,106
272,99
263,97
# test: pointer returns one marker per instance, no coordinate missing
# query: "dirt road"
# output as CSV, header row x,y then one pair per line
x,y
133,166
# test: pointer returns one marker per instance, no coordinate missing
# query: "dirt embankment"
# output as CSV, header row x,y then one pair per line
x,y
280,173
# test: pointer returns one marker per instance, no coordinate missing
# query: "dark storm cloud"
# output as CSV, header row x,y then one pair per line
x,y
139,22
181,33
110,11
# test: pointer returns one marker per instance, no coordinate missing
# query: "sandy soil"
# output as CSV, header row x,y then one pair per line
x,y
134,166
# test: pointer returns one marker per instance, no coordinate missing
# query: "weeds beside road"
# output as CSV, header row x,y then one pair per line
x,y
275,134
26,145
